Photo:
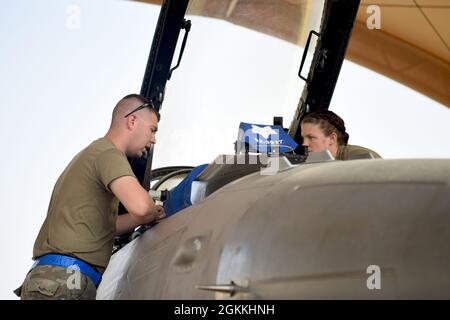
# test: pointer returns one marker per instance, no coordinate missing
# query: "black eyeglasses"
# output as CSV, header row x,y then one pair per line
x,y
145,105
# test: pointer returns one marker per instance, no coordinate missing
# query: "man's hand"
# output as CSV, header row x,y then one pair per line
x,y
158,212
126,222
141,208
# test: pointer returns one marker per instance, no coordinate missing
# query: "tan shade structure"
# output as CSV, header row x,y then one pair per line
x,y
411,47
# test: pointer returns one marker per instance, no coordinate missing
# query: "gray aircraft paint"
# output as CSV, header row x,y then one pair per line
x,y
310,232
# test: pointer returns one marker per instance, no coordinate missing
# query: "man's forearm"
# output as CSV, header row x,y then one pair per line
x,y
125,223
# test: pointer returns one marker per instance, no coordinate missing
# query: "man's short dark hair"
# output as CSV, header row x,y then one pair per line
x,y
143,100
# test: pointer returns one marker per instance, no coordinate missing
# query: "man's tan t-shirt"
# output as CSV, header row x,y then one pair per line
x,y
81,218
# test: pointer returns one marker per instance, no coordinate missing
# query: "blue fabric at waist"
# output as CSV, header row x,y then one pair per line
x,y
60,260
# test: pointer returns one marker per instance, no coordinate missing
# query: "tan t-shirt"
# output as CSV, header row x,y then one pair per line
x,y
348,151
81,218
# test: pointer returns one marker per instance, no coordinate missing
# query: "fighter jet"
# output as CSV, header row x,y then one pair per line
x,y
274,223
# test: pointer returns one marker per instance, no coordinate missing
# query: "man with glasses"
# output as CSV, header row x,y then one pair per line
x,y
75,242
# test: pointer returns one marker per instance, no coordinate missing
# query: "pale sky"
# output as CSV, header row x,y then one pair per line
x,y
59,84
